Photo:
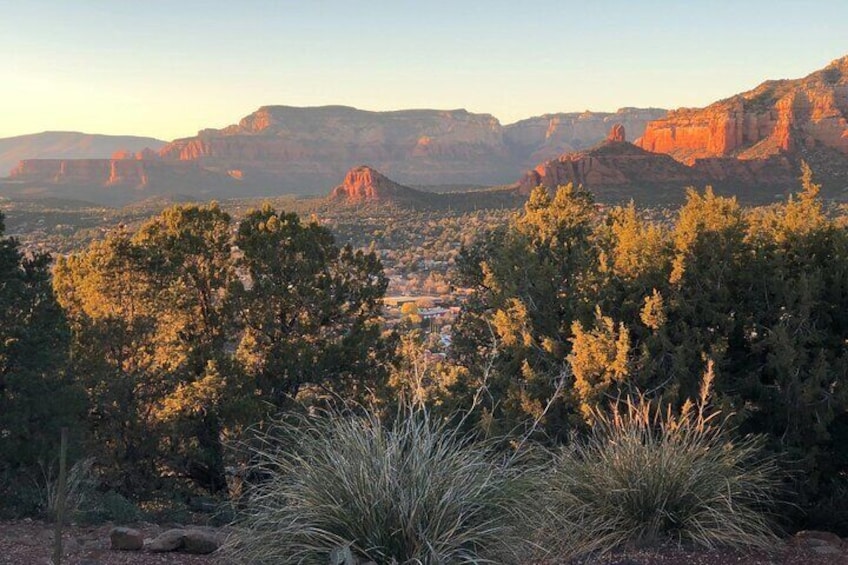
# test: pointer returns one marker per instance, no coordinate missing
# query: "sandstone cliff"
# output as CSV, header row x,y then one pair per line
x,y
545,137
68,145
794,117
616,170
116,181
305,149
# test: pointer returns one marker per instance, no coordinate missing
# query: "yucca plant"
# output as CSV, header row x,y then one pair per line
x,y
356,489
645,475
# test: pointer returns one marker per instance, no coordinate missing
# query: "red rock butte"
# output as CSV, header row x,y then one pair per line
x,y
365,183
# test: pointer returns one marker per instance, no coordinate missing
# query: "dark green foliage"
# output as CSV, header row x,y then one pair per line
x,y
183,339
530,283
37,394
639,306
310,310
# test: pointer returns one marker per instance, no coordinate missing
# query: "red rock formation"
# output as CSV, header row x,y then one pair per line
x,y
545,137
783,116
617,133
147,154
306,148
123,154
127,172
67,145
364,183
612,164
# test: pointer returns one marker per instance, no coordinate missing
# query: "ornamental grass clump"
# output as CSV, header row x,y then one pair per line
x,y
646,476
350,489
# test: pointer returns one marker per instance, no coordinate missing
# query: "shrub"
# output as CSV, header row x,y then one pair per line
x,y
646,476
79,488
411,492
111,506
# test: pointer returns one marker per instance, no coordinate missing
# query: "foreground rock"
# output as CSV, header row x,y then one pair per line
x,y
822,543
194,541
126,539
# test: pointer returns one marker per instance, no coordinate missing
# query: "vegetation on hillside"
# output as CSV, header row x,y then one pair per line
x,y
168,340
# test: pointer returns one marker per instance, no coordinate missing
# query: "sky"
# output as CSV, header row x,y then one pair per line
x,y
167,69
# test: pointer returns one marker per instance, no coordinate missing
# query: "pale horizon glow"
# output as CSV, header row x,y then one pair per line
x,y
168,69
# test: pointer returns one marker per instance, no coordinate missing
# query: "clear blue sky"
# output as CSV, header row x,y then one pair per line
x,y
168,68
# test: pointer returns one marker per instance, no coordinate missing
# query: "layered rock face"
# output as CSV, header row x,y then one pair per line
x,y
68,145
611,166
103,172
545,137
307,148
782,116
117,181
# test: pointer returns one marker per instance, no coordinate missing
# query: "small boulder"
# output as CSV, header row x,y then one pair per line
x,y
199,542
126,539
814,538
826,550
170,540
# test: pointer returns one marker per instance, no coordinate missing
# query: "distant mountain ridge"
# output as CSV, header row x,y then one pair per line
x,y
284,149
309,148
68,145
750,144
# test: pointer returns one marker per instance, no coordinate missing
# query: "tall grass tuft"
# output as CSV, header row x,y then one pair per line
x,y
414,491
646,476
79,489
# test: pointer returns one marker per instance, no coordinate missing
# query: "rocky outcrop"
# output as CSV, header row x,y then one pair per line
x,y
365,186
364,183
101,172
126,539
793,117
126,172
546,137
617,133
118,181
616,170
612,165
68,145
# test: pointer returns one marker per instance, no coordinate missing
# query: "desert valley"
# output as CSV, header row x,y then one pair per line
x,y
325,334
